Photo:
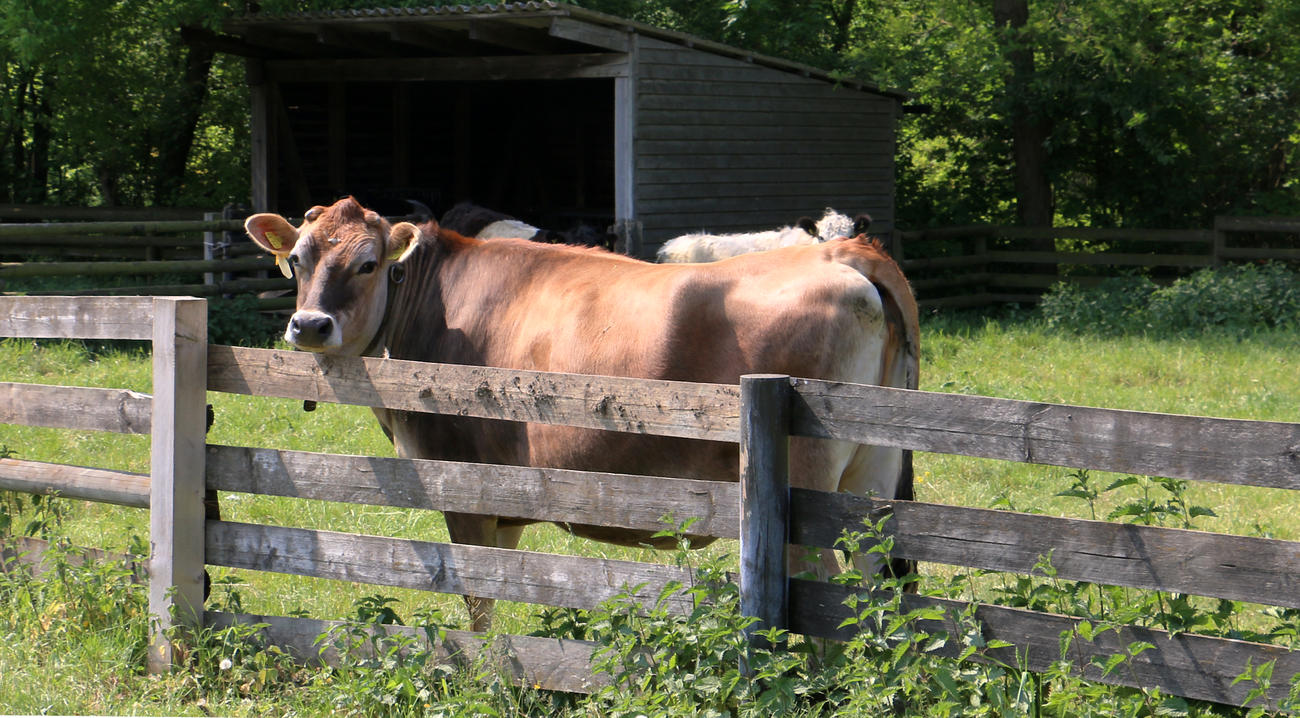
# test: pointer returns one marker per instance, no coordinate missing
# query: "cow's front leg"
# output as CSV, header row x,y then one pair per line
x,y
479,530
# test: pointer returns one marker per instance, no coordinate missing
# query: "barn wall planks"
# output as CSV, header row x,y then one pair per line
x,y
701,116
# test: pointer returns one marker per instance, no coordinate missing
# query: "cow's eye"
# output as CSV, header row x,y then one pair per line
x,y
367,268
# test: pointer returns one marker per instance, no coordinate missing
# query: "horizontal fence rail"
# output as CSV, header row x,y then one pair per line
x,y
551,664
503,574
558,495
74,407
1254,453
662,408
75,482
1188,665
128,227
1238,568
77,317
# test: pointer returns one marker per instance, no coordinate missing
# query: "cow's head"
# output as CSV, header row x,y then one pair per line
x,y
344,257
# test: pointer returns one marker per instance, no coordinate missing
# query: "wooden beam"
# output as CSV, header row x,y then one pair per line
x,y
1183,664
549,664
562,496
75,482
434,40
12,270
588,34
76,317
121,228
547,67
176,510
262,160
528,40
488,572
625,166
1235,451
75,407
765,502
662,408
1200,563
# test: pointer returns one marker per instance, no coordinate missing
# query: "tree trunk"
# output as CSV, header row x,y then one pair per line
x,y
179,126
39,164
1029,131
842,20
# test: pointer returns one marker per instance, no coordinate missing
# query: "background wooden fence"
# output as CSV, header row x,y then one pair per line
x,y
956,267
759,414
983,265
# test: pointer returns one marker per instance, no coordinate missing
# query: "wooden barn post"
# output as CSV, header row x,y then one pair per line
x,y
765,501
176,511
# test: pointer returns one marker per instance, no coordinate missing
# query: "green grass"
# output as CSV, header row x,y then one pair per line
x,y
1210,375
1014,357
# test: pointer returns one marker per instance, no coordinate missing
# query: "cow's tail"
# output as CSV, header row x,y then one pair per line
x,y
900,367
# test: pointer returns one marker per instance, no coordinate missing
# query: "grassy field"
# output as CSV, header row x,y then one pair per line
x,y
1013,357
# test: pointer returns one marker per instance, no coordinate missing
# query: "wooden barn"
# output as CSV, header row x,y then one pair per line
x,y
558,115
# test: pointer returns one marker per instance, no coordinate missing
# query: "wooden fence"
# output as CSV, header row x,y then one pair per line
x,y
981,265
760,414
129,255
956,267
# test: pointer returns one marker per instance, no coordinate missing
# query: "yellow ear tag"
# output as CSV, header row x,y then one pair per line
x,y
283,263
274,239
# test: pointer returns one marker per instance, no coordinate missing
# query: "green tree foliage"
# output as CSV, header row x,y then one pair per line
x,y
1158,113
104,103
1161,113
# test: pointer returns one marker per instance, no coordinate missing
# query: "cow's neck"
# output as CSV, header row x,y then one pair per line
x,y
396,277
408,305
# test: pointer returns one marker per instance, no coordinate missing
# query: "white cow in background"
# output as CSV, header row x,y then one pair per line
x,y
703,247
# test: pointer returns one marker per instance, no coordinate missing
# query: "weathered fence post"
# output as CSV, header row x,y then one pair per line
x,y
209,246
176,511
1220,241
765,501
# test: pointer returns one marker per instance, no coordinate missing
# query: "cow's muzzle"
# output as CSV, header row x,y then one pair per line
x,y
312,330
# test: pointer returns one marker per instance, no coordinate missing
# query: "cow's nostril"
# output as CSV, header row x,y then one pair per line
x,y
316,326
310,329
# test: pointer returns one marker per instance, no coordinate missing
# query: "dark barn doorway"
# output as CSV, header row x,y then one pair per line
x,y
542,151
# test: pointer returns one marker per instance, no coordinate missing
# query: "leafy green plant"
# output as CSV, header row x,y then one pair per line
x,y
1114,306
1154,509
1237,298
238,321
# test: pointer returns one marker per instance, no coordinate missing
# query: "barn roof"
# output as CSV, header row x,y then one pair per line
x,y
519,28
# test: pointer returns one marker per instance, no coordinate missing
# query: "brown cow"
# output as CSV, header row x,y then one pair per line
x,y
839,311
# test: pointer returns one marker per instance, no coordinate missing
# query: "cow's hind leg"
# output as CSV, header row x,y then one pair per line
x,y
479,530
817,464
882,473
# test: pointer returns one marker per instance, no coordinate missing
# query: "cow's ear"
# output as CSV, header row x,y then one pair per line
x,y
274,234
402,240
